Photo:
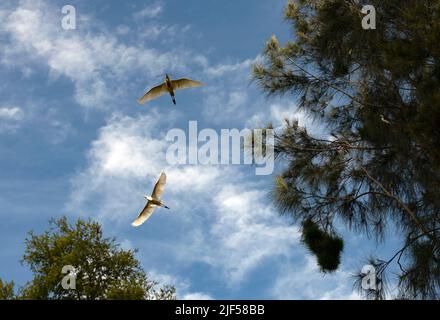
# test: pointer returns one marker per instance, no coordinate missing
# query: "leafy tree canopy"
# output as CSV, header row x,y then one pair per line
x,y
6,290
376,93
102,269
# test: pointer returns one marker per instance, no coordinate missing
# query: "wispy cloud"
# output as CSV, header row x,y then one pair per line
x,y
10,119
183,286
222,69
227,96
239,230
150,11
304,281
197,296
277,113
11,113
99,65
248,231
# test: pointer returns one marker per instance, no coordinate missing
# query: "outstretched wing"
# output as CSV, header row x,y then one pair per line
x,y
153,93
160,186
185,83
144,215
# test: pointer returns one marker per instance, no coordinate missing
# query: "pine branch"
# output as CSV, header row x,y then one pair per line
x,y
401,204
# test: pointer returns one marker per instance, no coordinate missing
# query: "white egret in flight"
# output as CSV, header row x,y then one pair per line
x,y
153,202
169,86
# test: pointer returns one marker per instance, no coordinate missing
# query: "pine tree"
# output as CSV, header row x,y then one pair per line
x,y
377,95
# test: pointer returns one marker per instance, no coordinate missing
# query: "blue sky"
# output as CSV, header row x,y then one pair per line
x,y
74,142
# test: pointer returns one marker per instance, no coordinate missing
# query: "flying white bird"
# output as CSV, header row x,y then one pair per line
x,y
169,86
153,202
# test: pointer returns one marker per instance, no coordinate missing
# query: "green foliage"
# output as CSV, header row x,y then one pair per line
x,y
326,247
103,269
422,276
376,94
6,290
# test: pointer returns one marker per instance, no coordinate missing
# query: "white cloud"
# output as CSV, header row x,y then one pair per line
x,y
46,120
125,151
227,96
10,119
100,66
307,282
194,178
165,33
239,230
230,96
248,231
129,154
221,69
127,245
11,113
223,103
277,113
122,29
183,286
58,130
197,296
150,11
